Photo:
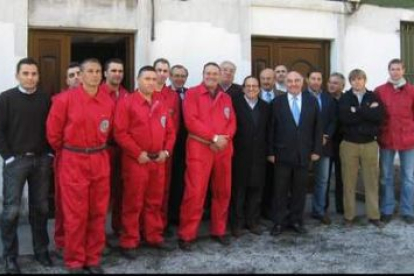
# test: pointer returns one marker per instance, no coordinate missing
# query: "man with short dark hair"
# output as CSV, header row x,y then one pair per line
x,y
211,124
397,135
72,75
327,111
145,132
280,76
114,74
78,126
27,157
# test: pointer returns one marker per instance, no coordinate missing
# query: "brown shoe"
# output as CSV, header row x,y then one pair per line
x,y
377,223
348,223
323,219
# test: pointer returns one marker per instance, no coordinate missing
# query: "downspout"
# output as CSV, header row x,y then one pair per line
x,y
152,20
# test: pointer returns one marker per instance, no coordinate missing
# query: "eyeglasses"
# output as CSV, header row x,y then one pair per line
x,y
72,75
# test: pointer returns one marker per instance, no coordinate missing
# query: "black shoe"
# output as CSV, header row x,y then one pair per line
x,y
78,270
256,230
386,218
223,240
237,232
276,230
168,232
96,269
128,253
163,246
11,266
44,259
408,219
185,245
298,228
377,223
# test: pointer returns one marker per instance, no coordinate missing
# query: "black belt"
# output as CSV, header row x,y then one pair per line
x,y
86,150
152,156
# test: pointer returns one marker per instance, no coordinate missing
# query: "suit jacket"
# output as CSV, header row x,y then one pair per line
x,y
290,144
235,90
250,143
329,120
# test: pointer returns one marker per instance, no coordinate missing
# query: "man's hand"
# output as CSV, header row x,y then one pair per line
x,y
315,157
374,105
271,159
214,147
162,157
143,158
325,139
222,141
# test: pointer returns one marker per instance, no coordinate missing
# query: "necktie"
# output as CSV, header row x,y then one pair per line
x,y
268,96
319,98
295,110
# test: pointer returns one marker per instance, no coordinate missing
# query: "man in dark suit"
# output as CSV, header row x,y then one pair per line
x,y
267,93
178,78
295,138
327,110
227,73
249,159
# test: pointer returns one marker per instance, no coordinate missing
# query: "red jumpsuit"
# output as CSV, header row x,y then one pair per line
x,y
77,122
140,126
171,100
115,161
205,117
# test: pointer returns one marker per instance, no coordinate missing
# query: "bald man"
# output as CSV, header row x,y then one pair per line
x,y
295,139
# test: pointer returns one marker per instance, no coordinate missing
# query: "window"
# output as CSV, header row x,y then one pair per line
x,y
407,49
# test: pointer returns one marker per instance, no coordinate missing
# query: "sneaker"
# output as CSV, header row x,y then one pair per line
x,y
386,218
185,245
378,223
128,253
408,219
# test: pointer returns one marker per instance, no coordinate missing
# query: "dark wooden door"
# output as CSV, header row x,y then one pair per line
x,y
52,51
298,55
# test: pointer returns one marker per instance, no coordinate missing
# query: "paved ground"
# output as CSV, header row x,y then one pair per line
x,y
325,249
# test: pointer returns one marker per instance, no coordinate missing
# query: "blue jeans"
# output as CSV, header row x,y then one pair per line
x,y
387,181
36,170
321,173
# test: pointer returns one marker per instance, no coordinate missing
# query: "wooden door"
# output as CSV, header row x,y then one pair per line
x,y
52,51
298,55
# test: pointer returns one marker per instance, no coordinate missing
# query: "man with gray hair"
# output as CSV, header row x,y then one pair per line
x,y
227,73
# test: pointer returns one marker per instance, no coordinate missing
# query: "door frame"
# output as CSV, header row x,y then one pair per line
x,y
129,63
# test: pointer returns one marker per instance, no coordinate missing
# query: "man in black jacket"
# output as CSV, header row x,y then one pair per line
x,y
27,157
249,159
361,114
327,110
295,139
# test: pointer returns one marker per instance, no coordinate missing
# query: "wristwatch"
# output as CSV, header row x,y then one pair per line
x,y
167,153
215,138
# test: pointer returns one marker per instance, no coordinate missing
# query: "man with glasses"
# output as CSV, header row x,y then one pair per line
x,y
227,73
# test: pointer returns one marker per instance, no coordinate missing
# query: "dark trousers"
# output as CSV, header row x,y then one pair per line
x,y
176,187
267,194
289,194
117,188
245,206
36,170
339,196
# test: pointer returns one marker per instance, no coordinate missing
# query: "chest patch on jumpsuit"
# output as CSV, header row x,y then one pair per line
x,y
163,121
227,112
104,126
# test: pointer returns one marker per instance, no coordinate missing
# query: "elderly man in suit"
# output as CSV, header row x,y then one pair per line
x,y
295,139
249,159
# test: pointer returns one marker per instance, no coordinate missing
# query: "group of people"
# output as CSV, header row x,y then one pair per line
x,y
156,152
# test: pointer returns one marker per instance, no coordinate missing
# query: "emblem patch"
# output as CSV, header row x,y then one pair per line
x,y
163,121
227,112
104,126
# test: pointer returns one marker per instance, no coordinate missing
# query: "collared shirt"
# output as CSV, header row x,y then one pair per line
x,y
281,87
267,96
318,97
251,103
359,95
298,100
21,89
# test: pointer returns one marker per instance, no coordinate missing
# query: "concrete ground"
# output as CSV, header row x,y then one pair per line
x,y
325,249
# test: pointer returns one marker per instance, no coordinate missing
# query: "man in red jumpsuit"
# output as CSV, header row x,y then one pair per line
x,y
172,102
211,124
72,81
145,132
78,126
114,74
